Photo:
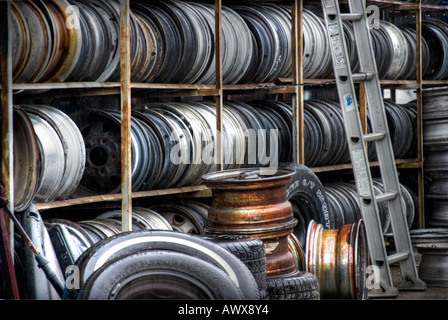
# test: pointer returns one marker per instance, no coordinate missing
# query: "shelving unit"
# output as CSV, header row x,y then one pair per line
x,y
124,88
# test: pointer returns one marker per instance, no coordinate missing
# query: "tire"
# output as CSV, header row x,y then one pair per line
x,y
250,252
155,274
309,200
303,286
120,245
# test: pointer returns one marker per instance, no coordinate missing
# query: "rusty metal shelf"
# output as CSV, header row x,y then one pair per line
x,y
293,86
401,163
396,84
191,191
107,88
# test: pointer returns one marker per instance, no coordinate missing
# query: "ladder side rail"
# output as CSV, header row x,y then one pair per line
x,y
353,128
384,150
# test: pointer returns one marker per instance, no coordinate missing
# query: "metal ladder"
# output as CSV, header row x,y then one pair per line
x,y
357,142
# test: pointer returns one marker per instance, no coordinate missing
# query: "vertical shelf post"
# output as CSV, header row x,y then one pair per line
x,y
419,78
7,112
219,86
297,81
125,99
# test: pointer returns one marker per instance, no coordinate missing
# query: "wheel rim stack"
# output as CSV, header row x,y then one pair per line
x,y
251,203
435,139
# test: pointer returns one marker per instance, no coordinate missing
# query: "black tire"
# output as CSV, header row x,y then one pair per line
x,y
120,245
155,274
309,200
250,252
303,286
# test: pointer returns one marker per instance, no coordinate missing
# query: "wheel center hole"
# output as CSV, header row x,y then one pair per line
x,y
98,156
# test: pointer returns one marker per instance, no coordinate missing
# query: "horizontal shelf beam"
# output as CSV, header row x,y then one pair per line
x,y
153,86
435,82
118,196
283,86
401,163
200,190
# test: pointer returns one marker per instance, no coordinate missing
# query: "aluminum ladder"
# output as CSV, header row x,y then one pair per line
x,y
345,79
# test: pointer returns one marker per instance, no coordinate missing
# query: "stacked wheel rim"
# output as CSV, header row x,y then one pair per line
x,y
338,257
250,202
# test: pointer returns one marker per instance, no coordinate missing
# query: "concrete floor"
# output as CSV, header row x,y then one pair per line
x,y
431,293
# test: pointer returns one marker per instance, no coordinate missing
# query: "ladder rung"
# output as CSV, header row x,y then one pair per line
x,y
362,76
374,136
385,196
396,257
351,16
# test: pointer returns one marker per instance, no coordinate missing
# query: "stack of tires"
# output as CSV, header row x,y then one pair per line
x,y
154,261
163,265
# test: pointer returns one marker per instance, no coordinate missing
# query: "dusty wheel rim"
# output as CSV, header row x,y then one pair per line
x,y
432,268
52,159
148,218
73,145
437,41
68,42
27,160
101,135
170,173
181,218
38,45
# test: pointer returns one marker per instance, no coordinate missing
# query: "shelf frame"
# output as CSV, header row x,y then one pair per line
x,y
125,88
7,166
125,99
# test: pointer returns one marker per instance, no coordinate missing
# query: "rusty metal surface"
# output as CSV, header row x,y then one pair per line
x,y
280,261
125,99
255,206
338,257
7,112
249,206
297,251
